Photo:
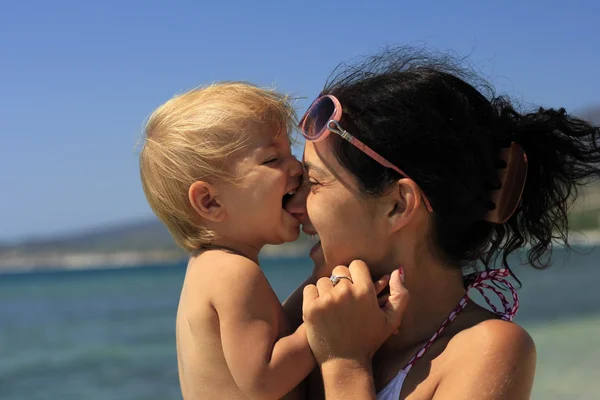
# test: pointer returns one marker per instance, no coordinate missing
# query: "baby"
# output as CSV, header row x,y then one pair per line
x,y
217,168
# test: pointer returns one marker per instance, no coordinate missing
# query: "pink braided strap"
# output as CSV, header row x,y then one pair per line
x,y
499,276
477,283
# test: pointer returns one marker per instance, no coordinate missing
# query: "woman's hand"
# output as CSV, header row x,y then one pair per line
x,y
346,321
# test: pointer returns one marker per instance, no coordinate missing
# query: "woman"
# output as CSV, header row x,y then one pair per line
x,y
408,164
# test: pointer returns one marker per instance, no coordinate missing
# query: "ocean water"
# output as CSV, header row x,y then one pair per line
x,y
109,334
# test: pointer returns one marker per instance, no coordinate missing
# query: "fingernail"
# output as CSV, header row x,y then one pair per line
x,y
401,271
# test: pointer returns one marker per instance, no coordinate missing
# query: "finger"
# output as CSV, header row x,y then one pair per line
x,y
341,270
397,302
309,295
381,283
359,271
324,285
397,282
382,300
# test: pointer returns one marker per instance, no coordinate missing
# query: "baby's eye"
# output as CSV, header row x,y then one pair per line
x,y
271,161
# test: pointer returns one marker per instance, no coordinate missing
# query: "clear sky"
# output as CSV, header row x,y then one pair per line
x,y
78,78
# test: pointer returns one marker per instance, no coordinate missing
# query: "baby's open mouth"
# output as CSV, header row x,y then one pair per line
x,y
287,197
314,238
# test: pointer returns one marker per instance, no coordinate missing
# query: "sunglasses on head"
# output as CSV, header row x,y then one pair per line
x,y
323,117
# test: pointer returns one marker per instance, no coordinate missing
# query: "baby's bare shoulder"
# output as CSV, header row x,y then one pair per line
x,y
230,280
218,266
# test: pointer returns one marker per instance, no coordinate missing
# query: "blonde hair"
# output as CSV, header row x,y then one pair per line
x,y
191,137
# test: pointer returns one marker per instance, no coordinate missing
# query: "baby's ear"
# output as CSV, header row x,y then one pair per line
x,y
204,198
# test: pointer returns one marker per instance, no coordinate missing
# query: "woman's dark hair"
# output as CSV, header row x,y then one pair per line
x,y
445,128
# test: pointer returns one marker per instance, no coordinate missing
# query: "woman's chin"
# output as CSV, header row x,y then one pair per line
x,y
321,269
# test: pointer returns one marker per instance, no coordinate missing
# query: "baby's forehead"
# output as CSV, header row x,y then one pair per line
x,y
268,136
263,143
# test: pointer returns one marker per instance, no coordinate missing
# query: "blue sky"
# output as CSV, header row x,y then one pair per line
x,y
78,79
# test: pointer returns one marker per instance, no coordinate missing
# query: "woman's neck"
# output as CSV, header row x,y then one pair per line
x,y
435,291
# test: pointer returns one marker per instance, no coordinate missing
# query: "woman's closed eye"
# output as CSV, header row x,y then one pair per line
x,y
311,183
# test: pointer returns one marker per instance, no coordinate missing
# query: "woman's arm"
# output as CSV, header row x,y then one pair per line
x,y
348,379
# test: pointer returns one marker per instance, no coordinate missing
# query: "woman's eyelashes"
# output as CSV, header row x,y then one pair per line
x,y
310,183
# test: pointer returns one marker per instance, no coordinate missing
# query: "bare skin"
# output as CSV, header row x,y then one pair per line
x,y
329,310
477,356
233,340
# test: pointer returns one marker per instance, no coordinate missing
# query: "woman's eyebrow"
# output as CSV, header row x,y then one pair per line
x,y
308,166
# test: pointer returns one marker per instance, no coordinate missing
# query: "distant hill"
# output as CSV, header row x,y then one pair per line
x,y
146,242
143,235
592,115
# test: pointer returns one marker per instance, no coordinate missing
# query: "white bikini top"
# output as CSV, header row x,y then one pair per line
x,y
392,390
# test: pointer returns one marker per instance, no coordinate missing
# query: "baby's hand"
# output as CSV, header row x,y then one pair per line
x,y
346,321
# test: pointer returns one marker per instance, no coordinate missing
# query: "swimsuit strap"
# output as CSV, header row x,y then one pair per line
x,y
476,281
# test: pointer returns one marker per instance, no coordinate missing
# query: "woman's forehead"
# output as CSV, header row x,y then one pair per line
x,y
319,158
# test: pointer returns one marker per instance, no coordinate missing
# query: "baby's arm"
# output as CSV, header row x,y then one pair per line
x,y
262,365
292,306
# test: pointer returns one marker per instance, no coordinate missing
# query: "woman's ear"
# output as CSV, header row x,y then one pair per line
x,y
204,198
405,200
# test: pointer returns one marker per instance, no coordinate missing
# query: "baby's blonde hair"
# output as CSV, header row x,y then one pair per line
x,y
192,136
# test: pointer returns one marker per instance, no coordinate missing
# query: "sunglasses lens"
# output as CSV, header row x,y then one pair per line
x,y
319,115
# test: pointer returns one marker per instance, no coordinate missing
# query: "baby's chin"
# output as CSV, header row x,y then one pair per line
x,y
289,236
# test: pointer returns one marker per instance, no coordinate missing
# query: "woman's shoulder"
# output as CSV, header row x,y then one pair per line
x,y
494,355
493,336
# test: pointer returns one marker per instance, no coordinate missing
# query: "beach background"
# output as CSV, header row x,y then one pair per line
x,y
108,334
90,280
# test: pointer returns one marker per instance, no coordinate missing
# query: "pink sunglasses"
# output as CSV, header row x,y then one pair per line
x,y
323,116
